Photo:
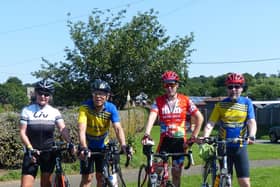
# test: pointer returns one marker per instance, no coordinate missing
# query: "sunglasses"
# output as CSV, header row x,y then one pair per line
x,y
44,93
230,87
171,85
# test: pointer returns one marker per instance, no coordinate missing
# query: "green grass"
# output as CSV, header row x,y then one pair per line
x,y
256,152
260,177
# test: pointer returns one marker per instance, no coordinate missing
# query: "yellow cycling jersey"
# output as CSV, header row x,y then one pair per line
x,y
97,123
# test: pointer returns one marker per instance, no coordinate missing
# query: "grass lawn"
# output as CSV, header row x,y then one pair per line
x,y
260,176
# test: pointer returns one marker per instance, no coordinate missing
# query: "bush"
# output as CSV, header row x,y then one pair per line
x,y
10,144
11,149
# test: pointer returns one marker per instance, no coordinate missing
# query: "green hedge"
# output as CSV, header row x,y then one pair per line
x,y
11,149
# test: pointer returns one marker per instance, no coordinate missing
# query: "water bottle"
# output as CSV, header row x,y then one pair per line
x,y
113,179
153,178
217,181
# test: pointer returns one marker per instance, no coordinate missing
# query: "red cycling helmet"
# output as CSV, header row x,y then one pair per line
x,y
235,78
170,76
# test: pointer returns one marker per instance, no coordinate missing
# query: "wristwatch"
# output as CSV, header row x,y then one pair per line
x,y
252,138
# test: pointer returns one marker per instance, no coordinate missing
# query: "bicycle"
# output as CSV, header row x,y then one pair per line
x,y
155,173
213,174
112,174
59,179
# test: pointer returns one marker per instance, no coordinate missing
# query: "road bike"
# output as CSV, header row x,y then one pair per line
x,y
112,174
214,174
155,173
59,179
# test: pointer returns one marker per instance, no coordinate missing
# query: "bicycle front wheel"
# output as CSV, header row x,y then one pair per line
x,y
60,180
208,174
143,176
225,181
169,184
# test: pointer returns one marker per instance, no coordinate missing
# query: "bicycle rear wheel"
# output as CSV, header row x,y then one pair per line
x,y
60,180
143,176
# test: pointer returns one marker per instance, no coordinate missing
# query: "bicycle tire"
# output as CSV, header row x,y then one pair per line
x,y
143,176
120,179
169,184
60,180
208,175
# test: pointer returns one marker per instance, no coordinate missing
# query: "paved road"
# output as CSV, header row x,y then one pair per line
x,y
131,174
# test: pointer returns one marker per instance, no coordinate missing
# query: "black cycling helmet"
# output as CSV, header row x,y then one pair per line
x,y
101,85
44,86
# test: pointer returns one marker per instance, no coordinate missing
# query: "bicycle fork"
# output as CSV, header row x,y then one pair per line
x,y
225,177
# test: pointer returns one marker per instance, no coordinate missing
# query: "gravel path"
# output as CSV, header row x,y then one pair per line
x,y
131,174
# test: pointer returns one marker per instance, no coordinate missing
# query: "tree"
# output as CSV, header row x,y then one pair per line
x,y
12,92
130,56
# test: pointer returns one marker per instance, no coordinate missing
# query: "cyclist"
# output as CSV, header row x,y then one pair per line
x,y
172,109
95,116
37,126
235,114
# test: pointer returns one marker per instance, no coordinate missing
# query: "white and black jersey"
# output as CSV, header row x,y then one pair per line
x,y
41,122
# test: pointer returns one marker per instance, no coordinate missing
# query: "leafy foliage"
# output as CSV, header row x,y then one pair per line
x,y
125,55
13,94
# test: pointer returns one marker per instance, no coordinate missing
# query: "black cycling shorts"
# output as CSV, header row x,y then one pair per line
x,y
238,156
46,161
93,161
173,145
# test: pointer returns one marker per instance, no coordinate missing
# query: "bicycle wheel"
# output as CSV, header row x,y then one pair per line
x,y
143,176
225,181
60,180
120,178
169,184
208,175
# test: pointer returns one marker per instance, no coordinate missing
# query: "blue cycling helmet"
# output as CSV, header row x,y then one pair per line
x,y
101,85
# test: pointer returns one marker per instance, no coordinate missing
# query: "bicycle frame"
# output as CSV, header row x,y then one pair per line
x,y
59,178
211,166
157,172
111,165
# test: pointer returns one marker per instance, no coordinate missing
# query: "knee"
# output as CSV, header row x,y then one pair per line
x,y
244,182
86,179
98,177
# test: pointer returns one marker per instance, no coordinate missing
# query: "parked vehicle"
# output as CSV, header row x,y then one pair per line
x,y
274,134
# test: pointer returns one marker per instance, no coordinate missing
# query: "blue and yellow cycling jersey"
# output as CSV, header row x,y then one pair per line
x,y
97,123
233,116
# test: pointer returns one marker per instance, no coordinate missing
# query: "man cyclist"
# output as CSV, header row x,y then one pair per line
x,y
236,115
95,117
172,109
37,127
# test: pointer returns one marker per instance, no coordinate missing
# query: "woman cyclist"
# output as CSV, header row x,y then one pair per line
x,y
37,127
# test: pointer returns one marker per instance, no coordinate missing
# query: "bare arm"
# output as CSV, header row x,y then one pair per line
x,y
208,128
198,120
64,131
150,123
119,133
23,136
252,127
82,134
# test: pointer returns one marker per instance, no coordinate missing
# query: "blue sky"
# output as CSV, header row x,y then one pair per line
x,y
230,35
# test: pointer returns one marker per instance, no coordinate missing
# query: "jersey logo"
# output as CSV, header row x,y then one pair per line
x,y
40,115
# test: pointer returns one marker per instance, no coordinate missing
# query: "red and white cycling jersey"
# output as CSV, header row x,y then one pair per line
x,y
173,117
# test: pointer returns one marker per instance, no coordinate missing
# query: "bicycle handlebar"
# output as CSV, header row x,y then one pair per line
x,y
58,146
212,140
108,151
